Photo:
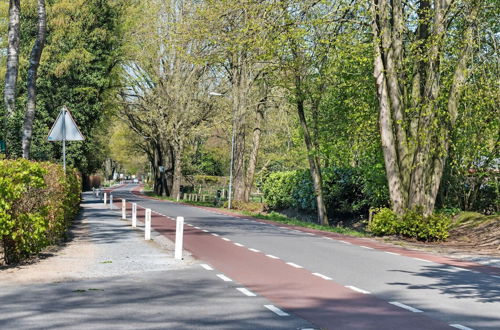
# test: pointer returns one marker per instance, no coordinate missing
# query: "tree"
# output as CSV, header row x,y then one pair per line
x,y
421,58
35,56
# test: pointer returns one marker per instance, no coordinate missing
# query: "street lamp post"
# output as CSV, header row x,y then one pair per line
x,y
230,190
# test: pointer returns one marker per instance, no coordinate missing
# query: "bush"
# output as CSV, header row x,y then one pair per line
x,y
243,206
36,203
412,224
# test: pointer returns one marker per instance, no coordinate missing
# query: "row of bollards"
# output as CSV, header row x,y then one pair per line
x,y
179,232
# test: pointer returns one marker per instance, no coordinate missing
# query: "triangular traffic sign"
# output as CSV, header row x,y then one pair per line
x,y
65,128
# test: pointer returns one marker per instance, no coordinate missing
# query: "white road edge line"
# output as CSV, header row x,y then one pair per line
x,y
271,256
254,250
328,238
322,276
207,267
393,253
217,235
238,244
496,276
408,308
422,260
224,278
276,310
294,265
366,247
461,327
353,288
462,269
204,230
345,242
246,292
197,227
226,239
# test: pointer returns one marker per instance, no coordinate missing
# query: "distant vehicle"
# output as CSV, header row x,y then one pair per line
x,y
136,181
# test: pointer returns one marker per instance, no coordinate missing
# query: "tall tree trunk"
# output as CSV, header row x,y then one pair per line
x,y
252,163
35,56
176,187
12,57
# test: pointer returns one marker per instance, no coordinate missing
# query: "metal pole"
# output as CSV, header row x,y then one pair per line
x,y
230,192
64,138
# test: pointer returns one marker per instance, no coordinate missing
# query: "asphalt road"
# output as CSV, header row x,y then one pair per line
x,y
111,278
336,282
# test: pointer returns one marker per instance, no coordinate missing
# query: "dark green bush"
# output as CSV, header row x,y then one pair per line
x,y
37,201
412,224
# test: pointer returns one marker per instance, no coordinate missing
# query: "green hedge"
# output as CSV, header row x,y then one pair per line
x,y
37,203
346,190
412,224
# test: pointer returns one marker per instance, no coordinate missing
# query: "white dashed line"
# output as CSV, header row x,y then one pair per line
x,y
462,269
322,276
246,292
217,235
495,276
461,327
224,278
294,265
331,239
188,224
238,244
394,254
226,239
204,230
345,242
408,308
366,247
276,310
254,250
353,288
271,256
422,260
197,227
207,267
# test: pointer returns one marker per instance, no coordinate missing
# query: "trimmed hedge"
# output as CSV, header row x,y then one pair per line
x,y
37,203
346,190
413,224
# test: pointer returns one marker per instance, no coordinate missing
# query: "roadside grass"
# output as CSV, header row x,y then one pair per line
x,y
472,219
273,216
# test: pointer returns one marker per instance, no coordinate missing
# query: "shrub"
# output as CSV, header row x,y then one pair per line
x,y
412,224
36,203
243,206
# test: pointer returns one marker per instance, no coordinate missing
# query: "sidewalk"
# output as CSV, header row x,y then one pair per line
x,y
108,277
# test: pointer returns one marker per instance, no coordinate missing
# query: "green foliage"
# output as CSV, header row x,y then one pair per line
x,y
245,206
346,190
37,201
412,224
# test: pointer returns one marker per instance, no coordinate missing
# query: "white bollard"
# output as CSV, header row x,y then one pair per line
x,y
124,209
105,198
134,215
147,225
110,201
178,196
179,233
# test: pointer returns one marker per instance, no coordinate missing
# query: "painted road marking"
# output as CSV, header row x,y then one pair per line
x,y
190,225
393,253
217,235
328,238
496,276
204,230
283,227
422,260
276,310
207,267
322,276
238,244
226,239
246,292
345,242
224,278
462,269
366,247
461,327
294,265
353,288
197,227
254,250
408,308
271,256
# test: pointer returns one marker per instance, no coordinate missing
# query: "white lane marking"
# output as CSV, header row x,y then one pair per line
x,y
496,276
310,234
353,288
190,225
345,242
226,239
294,265
422,260
197,227
238,244
393,253
224,278
204,230
271,256
461,327
408,308
207,267
282,227
254,250
276,310
462,269
246,292
322,276
366,247
217,235
328,238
